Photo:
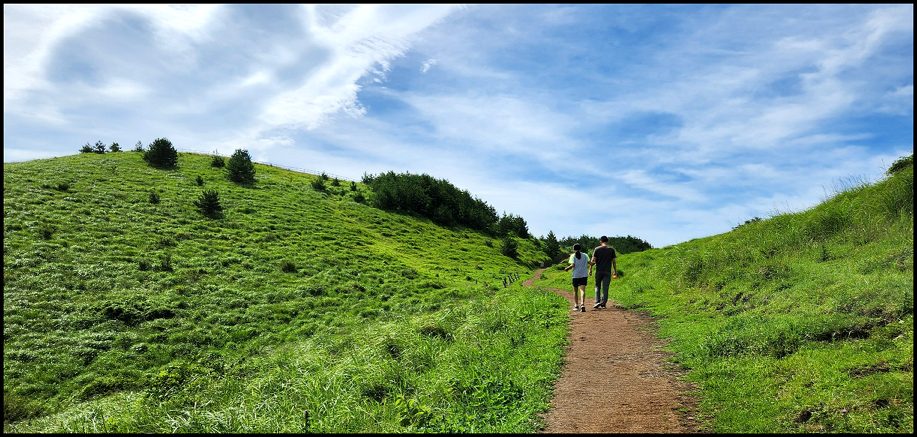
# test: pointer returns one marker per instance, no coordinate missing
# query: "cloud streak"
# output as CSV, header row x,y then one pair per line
x,y
664,122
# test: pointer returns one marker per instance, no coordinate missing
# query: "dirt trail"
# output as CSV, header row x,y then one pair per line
x,y
616,378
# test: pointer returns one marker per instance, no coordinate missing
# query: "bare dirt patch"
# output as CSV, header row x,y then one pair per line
x,y
616,377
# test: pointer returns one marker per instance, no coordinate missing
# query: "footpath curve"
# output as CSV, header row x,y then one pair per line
x,y
616,377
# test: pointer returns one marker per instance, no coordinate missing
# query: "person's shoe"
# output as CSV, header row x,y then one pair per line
x,y
575,307
596,305
583,308
603,306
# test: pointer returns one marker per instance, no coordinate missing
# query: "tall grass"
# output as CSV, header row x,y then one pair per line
x,y
294,310
799,323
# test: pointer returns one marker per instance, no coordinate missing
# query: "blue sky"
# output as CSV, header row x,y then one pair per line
x,y
665,122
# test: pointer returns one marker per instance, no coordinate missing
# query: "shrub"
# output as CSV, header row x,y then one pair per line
x,y
161,154
46,231
115,147
217,162
353,186
200,181
138,147
165,263
240,167
99,148
509,248
86,148
209,203
901,163
318,184
287,266
16,408
154,198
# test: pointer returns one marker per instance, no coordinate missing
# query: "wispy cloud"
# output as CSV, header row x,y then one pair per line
x,y
667,122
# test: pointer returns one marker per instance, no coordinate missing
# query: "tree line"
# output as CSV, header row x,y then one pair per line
x,y
622,245
441,202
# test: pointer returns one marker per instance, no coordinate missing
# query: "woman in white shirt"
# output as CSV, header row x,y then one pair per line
x,y
582,269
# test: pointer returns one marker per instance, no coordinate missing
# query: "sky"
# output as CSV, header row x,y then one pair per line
x,y
662,122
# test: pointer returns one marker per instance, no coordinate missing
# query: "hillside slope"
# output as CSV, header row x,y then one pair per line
x,y
112,298
803,322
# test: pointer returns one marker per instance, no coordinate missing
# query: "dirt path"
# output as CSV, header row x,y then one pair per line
x,y
616,378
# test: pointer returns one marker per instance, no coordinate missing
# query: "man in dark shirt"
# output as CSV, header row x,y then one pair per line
x,y
603,258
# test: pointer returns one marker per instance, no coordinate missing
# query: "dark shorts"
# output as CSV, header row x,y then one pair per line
x,y
580,281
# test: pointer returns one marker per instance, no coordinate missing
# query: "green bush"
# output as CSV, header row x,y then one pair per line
x,y
86,148
154,198
115,147
217,162
161,154
209,203
240,167
138,147
200,181
901,163
510,247
99,148
16,408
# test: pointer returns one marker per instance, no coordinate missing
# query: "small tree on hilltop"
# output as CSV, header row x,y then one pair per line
x,y
99,148
240,167
115,147
217,161
161,154
86,148
138,147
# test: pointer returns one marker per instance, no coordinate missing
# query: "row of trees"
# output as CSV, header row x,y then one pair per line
x,y
441,202
162,154
100,148
622,245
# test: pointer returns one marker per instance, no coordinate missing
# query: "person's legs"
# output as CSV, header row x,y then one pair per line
x,y
600,278
606,281
575,290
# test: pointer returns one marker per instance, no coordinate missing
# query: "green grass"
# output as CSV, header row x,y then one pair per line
x,y
803,322
123,315
296,310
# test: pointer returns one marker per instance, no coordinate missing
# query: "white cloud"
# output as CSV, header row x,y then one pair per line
x,y
663,122
357,39
425,67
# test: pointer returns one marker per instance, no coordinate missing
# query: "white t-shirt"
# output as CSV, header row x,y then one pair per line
x,y
580,266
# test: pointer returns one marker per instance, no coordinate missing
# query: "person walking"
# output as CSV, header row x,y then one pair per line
x,y
582,269
603,258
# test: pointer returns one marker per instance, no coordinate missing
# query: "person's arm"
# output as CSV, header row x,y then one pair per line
x,y
614,263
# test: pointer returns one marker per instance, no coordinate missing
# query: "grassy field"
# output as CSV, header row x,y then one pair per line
x,y
803,322
127,310
302,310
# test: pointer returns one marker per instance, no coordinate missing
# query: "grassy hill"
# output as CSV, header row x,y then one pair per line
x,y
803,322
128,310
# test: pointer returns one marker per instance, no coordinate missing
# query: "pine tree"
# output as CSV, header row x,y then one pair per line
x,y
240,167
552,246
161,154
